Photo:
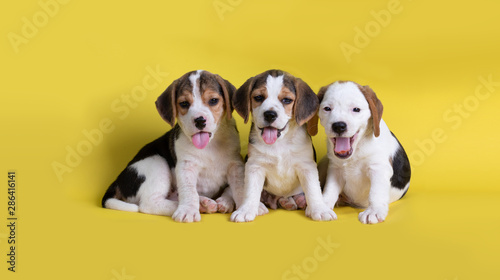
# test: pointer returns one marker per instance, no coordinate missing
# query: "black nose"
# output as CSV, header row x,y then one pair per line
x,y
270,116
339,127
199,122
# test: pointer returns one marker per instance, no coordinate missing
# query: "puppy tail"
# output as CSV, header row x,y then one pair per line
x,y
109,201
116,204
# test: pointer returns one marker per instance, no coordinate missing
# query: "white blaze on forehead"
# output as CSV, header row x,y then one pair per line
x,y
274,85
345,91
194,82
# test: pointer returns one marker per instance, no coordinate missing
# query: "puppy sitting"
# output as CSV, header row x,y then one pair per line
x,y
365,164
280,151
196,160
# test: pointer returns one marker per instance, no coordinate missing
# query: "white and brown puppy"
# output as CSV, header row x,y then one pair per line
x,y
366,165
193,163
280,151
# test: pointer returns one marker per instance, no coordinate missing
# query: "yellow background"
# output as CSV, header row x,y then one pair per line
x,y
427,59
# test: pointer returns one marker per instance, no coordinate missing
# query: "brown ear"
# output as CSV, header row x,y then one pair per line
x,y
312,125
165,104
228,91
306,102
322,91
241,99
376,107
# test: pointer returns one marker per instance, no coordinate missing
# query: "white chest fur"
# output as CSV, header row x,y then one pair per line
x,y
211,163
281,159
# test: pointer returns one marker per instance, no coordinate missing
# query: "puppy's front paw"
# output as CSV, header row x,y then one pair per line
x,y
320,213
300,200
262,209
208,205
373,215
244,214
186,214
225,204
288,203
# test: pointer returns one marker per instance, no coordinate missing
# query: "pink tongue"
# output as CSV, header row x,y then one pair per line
x,y
270,135
342,145
200,140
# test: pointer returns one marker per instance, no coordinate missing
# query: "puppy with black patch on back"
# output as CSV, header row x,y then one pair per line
x,y
365,166
280,152
197,161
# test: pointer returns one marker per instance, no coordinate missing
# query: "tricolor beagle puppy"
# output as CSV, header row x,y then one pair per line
x,y
193,163
280,152
366,165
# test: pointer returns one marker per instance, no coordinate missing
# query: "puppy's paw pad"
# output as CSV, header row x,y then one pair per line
x,y
207,205
300,200
262,209
269,200
186,215
225,205
243,215
373,215
321,213
287,203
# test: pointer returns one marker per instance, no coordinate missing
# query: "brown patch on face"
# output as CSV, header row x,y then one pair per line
x,y
287,98
303,105
215,102
211,95
184,101
178,97
258,96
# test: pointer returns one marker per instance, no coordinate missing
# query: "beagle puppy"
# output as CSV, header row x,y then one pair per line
x,y
180,173
280,152
365,165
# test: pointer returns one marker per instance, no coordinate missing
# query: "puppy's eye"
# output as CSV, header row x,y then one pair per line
x,y
327,109
184,104
213,101
258,98
286,100
357,110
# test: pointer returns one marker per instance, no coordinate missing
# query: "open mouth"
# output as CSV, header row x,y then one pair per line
x,y
343,146
200,140
271,134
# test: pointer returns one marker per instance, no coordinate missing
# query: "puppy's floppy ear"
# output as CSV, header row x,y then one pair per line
x,y
376,107
241,99
228,91
166,105
306,102
322,91
312,124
